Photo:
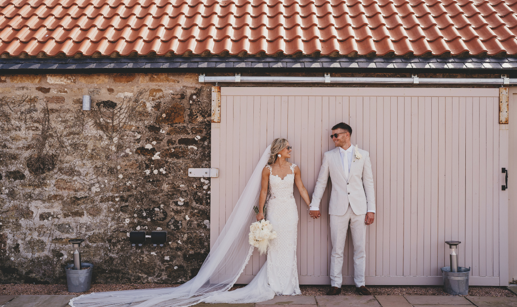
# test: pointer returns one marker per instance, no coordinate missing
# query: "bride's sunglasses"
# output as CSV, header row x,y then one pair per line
x,y
289,147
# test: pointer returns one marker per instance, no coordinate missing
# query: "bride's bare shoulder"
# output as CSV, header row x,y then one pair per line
x,y
266,169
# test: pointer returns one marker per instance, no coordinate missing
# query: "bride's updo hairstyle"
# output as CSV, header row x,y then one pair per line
x,y
276,147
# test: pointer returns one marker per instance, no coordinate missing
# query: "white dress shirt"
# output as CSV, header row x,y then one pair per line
x,y
346,157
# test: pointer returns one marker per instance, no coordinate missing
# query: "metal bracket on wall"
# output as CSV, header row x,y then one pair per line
x,y
503,105
203,172
216,104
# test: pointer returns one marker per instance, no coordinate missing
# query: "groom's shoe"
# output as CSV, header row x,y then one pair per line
x,y
334,291
362,290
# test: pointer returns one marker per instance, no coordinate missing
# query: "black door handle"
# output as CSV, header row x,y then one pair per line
x,y
505,186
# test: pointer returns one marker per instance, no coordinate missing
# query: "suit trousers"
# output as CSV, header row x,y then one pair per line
x,y
338,229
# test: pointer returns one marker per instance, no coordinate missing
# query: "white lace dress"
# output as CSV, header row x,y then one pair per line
x,y
279,274
282,212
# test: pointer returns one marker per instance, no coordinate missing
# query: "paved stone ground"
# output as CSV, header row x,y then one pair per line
x,y
513,288
304,301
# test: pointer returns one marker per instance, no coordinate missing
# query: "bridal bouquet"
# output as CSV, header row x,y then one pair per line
x,y
260,234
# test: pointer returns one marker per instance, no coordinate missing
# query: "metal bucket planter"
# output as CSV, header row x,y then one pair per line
x,y
78,274
456,283
79,280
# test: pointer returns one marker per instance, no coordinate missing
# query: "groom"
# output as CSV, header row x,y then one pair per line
x,y
352,201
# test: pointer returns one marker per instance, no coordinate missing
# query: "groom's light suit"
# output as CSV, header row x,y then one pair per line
x,y
351,198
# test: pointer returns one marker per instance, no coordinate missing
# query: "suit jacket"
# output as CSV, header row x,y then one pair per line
x,y
357,190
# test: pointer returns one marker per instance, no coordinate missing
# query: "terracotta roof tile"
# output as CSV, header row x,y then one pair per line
x,y
325,27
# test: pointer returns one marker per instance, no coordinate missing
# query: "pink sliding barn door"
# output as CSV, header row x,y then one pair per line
x,y
436,161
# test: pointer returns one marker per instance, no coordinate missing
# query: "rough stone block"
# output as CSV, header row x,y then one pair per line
x,y
173,115
159,78
177,130
155,93
64,228
5,90
64,185
25,78
198,130
94,78
44,90
187,141
61,79
15,175
55,99
3,79
190,78
124,78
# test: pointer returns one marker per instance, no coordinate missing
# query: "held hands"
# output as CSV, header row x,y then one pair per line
x,y
315,213
370,216
260,216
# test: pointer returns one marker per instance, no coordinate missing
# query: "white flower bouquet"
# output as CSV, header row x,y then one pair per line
x,y
261,233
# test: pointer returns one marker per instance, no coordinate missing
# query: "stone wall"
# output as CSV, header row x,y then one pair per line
x,y
97,175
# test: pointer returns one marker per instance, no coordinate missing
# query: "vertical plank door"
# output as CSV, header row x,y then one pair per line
x,y
436,158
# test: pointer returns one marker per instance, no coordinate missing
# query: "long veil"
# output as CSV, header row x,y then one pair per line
x,y
219,272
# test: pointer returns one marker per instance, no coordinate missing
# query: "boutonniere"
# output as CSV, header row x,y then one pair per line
x,y
356,152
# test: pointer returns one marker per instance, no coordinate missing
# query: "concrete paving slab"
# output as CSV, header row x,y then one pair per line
x,y
40,301
290,300
6,298
289,305
483,301
347,301
436,300
392,301
513,288
222,305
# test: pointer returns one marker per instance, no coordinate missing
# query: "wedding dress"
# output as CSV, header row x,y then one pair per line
x,y
279,274
229,256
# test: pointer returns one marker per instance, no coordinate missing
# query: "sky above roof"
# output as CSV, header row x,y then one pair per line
x,y
258,27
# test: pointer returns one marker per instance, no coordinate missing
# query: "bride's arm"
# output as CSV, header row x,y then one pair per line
x,y
300,186
263,193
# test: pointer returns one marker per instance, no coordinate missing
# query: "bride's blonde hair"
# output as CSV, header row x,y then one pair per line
x,y
277,146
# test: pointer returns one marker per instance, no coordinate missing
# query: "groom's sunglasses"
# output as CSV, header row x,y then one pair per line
x,y
335,135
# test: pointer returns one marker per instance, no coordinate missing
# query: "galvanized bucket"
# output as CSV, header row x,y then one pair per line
x,y
79,280
456,283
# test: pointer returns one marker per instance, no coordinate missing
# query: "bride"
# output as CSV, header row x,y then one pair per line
x,y
232,251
